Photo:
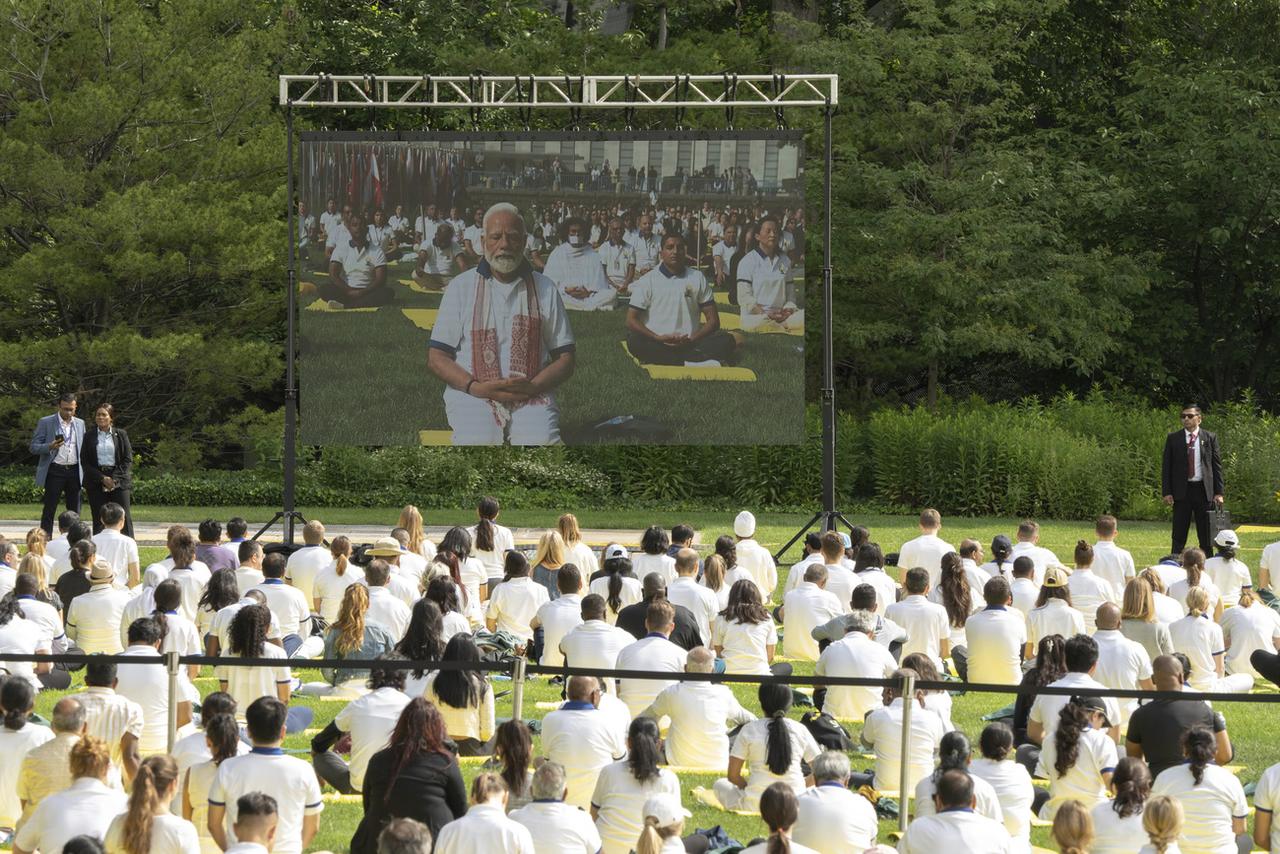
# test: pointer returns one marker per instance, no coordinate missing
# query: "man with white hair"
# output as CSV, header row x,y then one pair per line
x,y
502,344
556,827
856,655
578,270
753,557
831,819
701,715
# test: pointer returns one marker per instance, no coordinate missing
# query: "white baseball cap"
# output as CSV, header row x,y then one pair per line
x,y
745,524
615,551
1227,538
665,809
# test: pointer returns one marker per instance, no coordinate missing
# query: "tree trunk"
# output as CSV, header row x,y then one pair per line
x,y
662,27
931,387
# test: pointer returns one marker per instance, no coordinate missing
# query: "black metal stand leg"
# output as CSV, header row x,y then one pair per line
x,y
289,517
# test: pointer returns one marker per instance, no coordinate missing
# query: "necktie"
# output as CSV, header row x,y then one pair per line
x,y
1191,456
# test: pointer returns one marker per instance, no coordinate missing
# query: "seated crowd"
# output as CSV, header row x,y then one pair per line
x,y
1112,775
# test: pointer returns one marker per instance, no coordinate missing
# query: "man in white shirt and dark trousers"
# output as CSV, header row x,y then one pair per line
x,y
701,715
955,827
287,603
832,819
369,720
653,652
57,441
266,767
805,608
927,549
555,825
582,738
882,732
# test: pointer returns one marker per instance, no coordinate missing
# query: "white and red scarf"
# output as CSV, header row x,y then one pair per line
x,y
526,342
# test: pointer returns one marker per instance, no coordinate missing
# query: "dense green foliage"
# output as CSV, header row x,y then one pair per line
x,y
1032,197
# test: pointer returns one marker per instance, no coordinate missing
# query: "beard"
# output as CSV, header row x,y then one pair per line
x,y
505,263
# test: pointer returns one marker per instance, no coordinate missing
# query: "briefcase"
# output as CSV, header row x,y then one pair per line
x,y
1219,520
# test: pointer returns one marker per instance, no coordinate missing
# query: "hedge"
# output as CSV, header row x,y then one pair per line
x,y
1069,458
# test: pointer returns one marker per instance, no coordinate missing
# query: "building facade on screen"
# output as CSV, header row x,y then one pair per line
x,y
567,288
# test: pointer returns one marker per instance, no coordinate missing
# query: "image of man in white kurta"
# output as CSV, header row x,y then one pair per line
x,y
766,287
619,258
578,271
502,344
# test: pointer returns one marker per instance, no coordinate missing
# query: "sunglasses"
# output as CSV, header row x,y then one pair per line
x,y
1190,414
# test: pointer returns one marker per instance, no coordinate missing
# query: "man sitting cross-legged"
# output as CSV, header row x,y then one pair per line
x,y
440,259
357,270
662,324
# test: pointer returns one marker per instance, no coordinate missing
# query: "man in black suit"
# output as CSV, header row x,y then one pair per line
x,y
1191,478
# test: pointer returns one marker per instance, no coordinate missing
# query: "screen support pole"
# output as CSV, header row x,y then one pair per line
x,y
827,517
290,461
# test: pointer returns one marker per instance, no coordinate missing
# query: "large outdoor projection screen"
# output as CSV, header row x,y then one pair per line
x,y
624,315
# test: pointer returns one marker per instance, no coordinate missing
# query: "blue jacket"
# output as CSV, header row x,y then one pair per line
x,y
47,430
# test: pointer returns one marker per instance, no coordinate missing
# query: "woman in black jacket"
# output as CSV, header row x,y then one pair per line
x,y
416,777
108,466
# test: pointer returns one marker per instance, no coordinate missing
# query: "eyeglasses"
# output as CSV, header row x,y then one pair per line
x,y
1190,414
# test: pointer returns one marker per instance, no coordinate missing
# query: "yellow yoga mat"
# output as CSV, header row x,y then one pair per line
x,y
708,798
681,372
323,305
733,323
337,798
423,318
435,438
417,287
1258,529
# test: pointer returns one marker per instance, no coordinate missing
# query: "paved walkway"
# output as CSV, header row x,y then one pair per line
x,y
153,533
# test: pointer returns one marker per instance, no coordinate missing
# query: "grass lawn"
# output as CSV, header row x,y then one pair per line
x,y
1249,723
364,379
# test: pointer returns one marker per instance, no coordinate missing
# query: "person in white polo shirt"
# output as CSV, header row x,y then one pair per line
x,y
1042,722
267,767
582,738
841,580
93,620
115,719
1089,590
685,590
996,636
514,603
618,257
595,643
555,826
753,557
369,719
115,548
1022,586
257,818
663,325
1029,544
87,807
927,549
1053,613
805,608
1111,562
249,574
287,604
305,564
384,608
926,623
856,655
559,616
953,753
1249,627
830,818
1122,663
766,285
882,732
1213,801
148,685
653,652
955,826
485,828
772,749
701,715
357,270
1229,573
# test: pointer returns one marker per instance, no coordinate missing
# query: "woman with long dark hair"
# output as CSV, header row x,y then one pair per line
x,y
1193,566
780,810
514,603
472,573
490,541
220,592
616,583
415,776
447,594
222,736
107,459
745,636
771,747
464,698
177,633
1080,756
1211,796
653,556
247,638
512,755
17,737
953,594
953,754
422,642
623,787
1001,562
1117,823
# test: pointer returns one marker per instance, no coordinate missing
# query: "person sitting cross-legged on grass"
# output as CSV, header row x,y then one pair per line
x,y
955,826
582,738
771,748
830,818
701,714
553,824
663,318
357,270
370,720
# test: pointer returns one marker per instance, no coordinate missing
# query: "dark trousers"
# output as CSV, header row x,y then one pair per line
x,y
333,769
61,482
960,658
58,680
719,346
99,499
1267,664
1196,505
365,298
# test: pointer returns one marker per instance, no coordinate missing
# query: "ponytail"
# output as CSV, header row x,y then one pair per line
x,y
1193,563
653,835
488,511
17,697
616,567
1084,554
713,571
340,548
1199,748
779,809
775,701
155,775
223,734
1072,721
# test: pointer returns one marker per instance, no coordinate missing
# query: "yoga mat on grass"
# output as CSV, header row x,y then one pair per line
x,y
323,305
423,318
681,372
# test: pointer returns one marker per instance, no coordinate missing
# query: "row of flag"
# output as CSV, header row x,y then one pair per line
x,y
380,175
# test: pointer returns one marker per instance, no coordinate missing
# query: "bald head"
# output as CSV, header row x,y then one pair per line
x,y
1166,672
1108,616
653,585
580,688
700,660
68,716
686,562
